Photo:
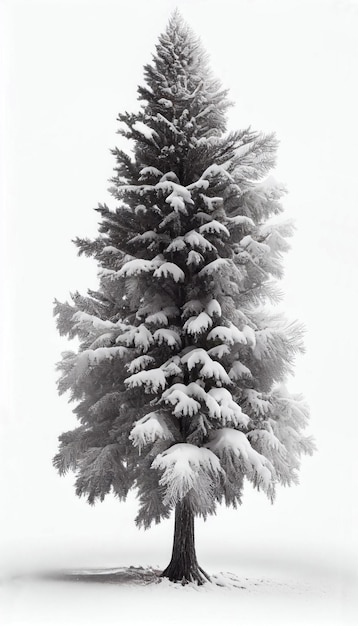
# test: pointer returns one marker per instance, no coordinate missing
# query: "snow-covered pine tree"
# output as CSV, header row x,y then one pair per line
x,y
178,377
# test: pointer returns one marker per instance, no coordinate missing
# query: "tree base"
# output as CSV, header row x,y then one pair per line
x,y
176,574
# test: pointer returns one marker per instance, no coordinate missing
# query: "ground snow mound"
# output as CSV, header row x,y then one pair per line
x,y
138,575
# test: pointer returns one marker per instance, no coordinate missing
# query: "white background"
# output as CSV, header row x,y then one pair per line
x,y
67,69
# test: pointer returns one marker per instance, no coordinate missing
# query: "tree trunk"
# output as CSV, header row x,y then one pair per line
x,y
184,566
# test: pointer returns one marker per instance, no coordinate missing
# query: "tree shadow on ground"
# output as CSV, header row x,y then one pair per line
x,y
135,576
122,575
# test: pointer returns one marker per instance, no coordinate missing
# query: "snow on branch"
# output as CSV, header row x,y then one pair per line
x,y
166,103
176,245
267,438
162,317
228,334
159,317
239,370
194,390
177,203
94,357
234,444
168,123
149,235
84,318
111,250
138,189
186,467
140,363
192,306
168,336
213,308
198,324
279,229
194,258
210,202
209,369
178,195
217,170
170,269
184,404
139,336
135,267
152,380
202,183
244,148
214,227
250,335
150,171
270,188
144,130
258,405
148,429
172,367
214,266
104,340
241,220
278,341
219,351
208,109
255,248
291,416
76,366
230,411
196,240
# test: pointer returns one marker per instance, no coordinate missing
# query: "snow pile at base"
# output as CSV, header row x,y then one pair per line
x,y
137,575
89,597
223,581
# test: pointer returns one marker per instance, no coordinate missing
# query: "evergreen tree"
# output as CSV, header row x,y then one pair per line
x,y
178,378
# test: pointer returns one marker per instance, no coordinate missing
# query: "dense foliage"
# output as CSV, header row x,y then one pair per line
x,y
178,378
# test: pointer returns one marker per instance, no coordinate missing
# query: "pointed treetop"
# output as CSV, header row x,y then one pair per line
x,y
183,104
184,40
177,24
176,17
